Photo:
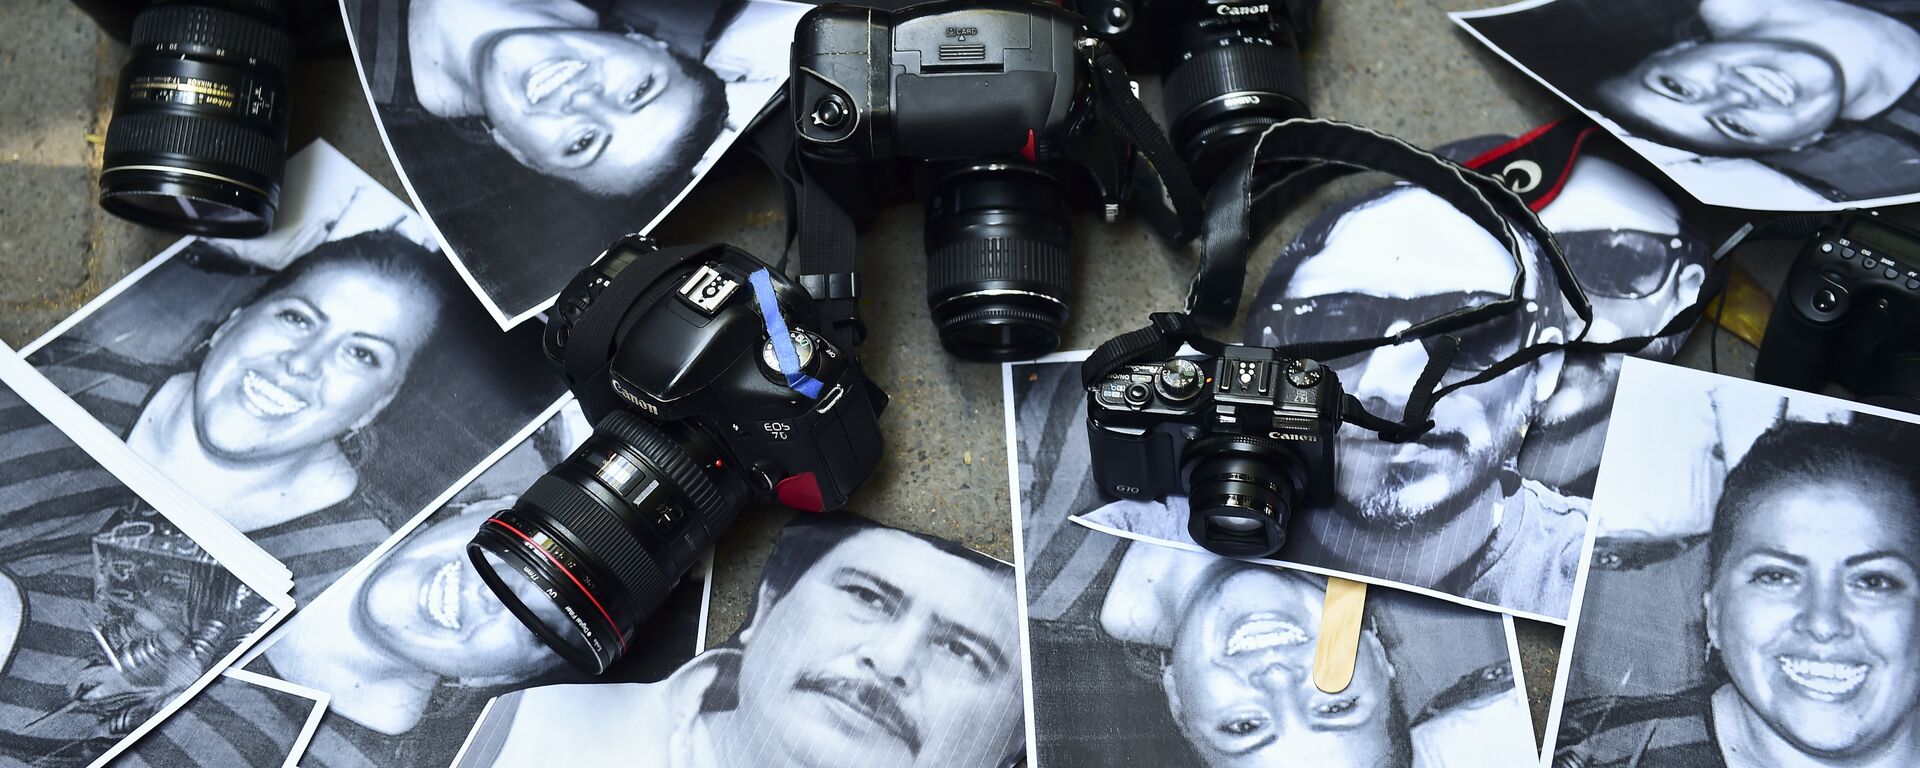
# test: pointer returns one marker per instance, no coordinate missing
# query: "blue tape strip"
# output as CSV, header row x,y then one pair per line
x,y
762,282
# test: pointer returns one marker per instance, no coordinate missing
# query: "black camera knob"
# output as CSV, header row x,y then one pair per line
x,y
1304,373
1179,380
1138,394
831,112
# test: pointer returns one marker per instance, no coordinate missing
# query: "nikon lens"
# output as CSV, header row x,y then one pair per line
x,y
198,141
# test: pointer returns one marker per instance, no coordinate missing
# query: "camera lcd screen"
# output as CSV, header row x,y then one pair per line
x,y
1884,240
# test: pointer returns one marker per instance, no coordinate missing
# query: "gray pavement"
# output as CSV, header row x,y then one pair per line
x,y
1396,65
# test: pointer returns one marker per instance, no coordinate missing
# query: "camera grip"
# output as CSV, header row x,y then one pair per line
x,y
1794,351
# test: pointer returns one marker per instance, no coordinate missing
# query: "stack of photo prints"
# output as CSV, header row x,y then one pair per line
x,y
237,487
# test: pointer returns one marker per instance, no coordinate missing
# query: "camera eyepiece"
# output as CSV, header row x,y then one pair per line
x,y
596,544
997,264
198,141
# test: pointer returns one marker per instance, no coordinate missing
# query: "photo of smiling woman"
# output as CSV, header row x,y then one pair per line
x,y
1785,104
317,406
534,132
1172,657
1804,608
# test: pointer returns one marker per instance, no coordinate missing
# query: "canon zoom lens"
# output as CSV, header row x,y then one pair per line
x,y
1240,491
596,544
1232,68
997,267
198,141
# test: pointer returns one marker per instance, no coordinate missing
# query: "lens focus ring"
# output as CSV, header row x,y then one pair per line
x,y
957,268
667,457
1216,72
214,29
205,140
572,509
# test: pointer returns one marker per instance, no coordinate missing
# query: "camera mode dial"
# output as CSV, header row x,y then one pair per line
x,y
1304,373
1179,380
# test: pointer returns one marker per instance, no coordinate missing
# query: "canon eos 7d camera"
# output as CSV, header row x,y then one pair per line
x,y
1246,435
1229,68
986,111
711,386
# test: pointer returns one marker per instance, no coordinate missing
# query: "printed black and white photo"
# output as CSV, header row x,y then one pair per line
x,y
317,401
1640,261
1450,514
1753,596
1146,654
112,610
867,646
1764,104
412,644
533,133
188,738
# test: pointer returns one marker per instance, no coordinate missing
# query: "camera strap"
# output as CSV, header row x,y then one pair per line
x,y
823,229
1178,218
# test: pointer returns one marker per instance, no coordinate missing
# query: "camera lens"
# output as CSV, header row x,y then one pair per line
x,y
997,267
1240,492
1233,69
198,141
595,545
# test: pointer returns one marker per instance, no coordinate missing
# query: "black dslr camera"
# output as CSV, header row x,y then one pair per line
x,y
1229,68
986,111
1246,436
710,385
198,140
1850,314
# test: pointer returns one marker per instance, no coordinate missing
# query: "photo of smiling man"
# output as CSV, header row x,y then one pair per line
x,y
534,132
1770,104
867,647
1800,608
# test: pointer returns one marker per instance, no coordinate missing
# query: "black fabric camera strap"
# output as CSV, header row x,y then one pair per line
x,y
823,229
1179,218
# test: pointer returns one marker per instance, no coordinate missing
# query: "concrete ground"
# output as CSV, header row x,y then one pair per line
x,y
1398,66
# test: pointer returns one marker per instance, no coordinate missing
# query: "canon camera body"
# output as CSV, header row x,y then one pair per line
x,y
711,387
1247,436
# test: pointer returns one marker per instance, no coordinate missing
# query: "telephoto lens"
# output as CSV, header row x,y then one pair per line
x,y
596,545
198,140
997,263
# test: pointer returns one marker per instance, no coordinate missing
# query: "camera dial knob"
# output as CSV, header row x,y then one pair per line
x,y
1304,373
1179,380
802,348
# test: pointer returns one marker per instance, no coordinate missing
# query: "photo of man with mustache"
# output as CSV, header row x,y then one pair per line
x,y
867,646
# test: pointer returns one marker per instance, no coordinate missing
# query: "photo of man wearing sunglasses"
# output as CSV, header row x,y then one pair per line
x,y
1447,512
1640,264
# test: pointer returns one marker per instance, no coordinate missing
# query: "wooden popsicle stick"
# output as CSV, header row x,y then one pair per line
x,y
1339,645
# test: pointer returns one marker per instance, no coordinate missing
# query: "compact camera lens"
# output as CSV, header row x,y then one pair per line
x,y
1233,69
198,141
1240,492
596,544
997,266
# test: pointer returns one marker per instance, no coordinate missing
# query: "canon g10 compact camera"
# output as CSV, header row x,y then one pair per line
x,y
711,385
986,111
1246,435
